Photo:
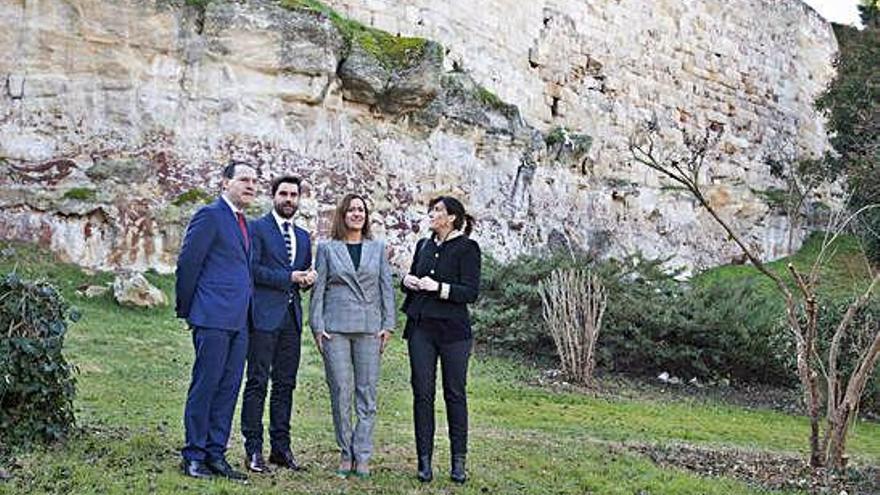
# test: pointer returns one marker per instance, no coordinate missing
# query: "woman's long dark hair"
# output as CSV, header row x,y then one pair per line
x,y
463,221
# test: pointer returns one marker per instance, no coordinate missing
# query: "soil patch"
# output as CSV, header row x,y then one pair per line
x,y
763,469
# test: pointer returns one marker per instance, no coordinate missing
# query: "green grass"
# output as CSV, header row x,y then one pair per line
x,y
134,370
841,277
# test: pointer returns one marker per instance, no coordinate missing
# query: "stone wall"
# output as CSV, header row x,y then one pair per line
x,y
113,112
600,67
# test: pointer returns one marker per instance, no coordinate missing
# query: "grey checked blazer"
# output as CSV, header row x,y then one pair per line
x,y
349,301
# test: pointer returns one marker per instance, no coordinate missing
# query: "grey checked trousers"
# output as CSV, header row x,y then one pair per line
x,y
351,366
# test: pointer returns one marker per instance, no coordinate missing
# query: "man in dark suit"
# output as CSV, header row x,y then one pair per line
x,y
214,294
282,257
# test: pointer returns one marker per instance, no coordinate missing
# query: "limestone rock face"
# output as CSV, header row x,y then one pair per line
x,y
116,116
363,77
133,289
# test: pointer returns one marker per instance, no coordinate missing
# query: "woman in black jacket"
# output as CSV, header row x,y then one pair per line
x,y
443,279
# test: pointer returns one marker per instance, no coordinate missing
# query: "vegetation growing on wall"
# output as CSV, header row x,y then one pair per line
x,y
460,84
80,194
774,197
192,196
393,52
562,136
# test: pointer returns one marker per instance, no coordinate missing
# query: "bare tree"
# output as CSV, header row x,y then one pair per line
x,y
574,302
801,176
683,164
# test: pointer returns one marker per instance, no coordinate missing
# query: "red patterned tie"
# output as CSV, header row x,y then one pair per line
x,y
243,226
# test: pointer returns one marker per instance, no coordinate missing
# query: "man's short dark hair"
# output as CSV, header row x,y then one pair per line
x,y
285,179
229,169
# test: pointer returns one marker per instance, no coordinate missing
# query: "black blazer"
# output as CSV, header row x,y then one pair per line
x,y
456,265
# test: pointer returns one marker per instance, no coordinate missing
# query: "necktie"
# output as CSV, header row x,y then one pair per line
x,y
243,226
285,231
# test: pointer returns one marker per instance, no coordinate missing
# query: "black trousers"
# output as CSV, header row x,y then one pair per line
x,y
275,356
425,347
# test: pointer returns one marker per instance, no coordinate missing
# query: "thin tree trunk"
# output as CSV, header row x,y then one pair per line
x,y
841,420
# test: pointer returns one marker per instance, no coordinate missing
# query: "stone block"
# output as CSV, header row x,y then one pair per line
x,y
134,290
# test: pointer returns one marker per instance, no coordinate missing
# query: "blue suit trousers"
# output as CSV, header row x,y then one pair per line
x,y
213,391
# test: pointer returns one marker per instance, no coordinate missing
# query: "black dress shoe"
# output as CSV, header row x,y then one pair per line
x,y
458,473
425,473
195,469
222,468
255,463
284,459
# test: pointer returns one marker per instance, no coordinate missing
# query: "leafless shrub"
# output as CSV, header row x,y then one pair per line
x,y
574,302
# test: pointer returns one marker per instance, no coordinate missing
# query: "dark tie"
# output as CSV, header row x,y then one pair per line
x,y
285,231
242,224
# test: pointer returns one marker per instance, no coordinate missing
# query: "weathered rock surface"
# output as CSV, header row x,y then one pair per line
x,y
112,111
133,289
93,291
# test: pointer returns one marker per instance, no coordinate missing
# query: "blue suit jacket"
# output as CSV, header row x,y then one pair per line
x,y
272,270
214,285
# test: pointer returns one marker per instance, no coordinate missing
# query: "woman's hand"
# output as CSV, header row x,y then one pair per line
x,y
411,282
319,340
384,336
427,283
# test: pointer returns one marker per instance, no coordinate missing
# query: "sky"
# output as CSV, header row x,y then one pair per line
x,y
839,11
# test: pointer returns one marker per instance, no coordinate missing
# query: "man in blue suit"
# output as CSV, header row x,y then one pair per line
x,y
214,294
282,258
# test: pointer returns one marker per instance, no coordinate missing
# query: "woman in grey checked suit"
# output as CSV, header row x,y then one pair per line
x,y
352,315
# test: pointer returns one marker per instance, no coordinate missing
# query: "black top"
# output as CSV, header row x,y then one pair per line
x,y
354,250
455,264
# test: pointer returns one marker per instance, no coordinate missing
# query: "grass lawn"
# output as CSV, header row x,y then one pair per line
x,y
845,273
134,370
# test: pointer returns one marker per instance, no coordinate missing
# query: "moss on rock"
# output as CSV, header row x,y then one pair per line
x,y
393,52
774,197
80,194
192,196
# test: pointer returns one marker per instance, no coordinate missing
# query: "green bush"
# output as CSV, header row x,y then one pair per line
x,y
656,323
508,313
37,385
653,321
868,228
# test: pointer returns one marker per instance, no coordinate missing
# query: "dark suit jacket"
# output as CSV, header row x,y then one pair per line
x,y
214,286
272,271
456,265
